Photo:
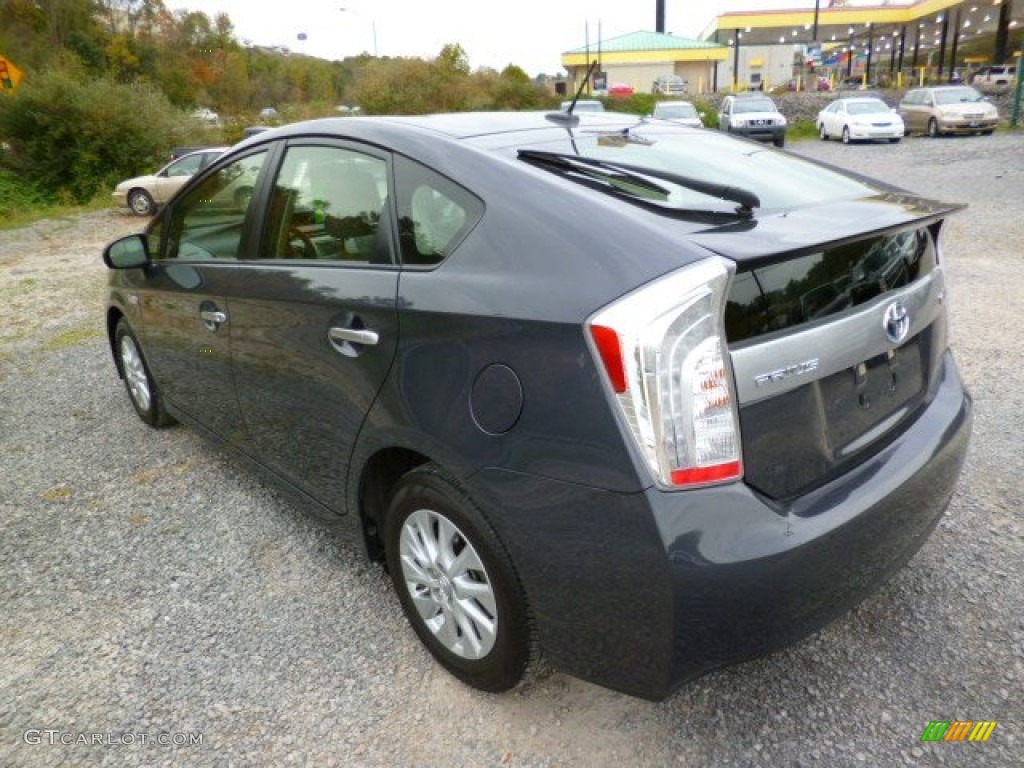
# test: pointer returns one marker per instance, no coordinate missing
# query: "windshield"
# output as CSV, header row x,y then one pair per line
x,y
958,95
675,111
866,107
778,179
753,105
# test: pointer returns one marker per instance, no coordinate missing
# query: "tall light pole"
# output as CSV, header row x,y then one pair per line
x,y
373,26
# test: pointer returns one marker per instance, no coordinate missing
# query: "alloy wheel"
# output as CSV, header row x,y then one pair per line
x,y
448,583
135,373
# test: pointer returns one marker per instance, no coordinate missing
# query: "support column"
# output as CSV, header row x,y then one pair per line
x,y
956,39
871,51
1000,52
903,42
736,60
942,44
917,47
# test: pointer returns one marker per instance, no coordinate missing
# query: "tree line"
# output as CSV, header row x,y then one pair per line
x,y
109,86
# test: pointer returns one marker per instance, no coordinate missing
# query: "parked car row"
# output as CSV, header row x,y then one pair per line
x,y
934,110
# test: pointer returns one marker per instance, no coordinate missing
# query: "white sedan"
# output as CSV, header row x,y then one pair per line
x,y
860,119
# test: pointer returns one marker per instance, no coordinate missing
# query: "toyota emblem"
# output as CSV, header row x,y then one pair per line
x,y
896,322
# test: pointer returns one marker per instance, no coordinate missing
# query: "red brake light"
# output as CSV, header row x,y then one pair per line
x,y
610,349
697,475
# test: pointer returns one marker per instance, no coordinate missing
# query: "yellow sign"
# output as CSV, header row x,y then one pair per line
x,y
10,76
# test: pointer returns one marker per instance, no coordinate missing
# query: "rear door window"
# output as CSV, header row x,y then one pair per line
x,y
434,213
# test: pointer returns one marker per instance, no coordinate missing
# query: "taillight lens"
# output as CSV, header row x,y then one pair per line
x,y
662,348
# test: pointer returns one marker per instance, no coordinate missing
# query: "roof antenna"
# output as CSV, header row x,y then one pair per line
x,y
579,91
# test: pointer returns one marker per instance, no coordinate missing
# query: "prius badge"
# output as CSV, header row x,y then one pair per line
x,y
896,322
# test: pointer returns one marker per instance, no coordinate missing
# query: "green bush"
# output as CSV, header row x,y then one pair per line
x,y
17,195
73,137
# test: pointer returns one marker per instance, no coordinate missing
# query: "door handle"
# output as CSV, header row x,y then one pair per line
x,y
354,335
213,318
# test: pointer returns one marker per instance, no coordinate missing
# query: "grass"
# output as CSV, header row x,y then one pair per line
x,y
21,203
20,288
72,338
800,130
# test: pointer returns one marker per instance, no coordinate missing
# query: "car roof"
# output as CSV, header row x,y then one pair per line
x,y
456,125
202,151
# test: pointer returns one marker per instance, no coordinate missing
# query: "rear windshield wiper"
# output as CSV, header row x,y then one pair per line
x,y
622,177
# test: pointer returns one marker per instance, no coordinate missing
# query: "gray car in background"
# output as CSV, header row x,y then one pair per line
x,y
753,116
615,389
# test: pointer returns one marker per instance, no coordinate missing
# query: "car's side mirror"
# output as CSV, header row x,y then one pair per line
x,y
128,252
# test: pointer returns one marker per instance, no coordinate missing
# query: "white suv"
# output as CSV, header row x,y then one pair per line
x,y
996,77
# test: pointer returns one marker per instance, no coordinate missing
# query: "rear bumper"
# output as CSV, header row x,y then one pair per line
x,y
643,592
962,125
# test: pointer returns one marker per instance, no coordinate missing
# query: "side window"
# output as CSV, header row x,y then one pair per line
x,y
187,166
434,213
327,203
207,223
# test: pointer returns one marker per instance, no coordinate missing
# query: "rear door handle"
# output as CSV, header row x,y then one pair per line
x,y
354,335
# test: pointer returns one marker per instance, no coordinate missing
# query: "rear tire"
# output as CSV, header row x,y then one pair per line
x,y
456,583
933,128
894,140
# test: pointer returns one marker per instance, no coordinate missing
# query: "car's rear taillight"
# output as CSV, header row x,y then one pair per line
x,y
662,348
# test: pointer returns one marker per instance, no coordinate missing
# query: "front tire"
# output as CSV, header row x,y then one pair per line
x,y
456,584
143,392
846,135
933,128
822,133
141,202
779,141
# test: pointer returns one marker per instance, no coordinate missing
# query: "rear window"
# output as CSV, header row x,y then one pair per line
x,y
677,111
790,293
780,180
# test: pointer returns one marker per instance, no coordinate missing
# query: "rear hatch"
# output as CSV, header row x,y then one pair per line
x,y
835,348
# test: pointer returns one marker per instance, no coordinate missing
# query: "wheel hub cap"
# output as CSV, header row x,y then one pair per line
x,y
449,586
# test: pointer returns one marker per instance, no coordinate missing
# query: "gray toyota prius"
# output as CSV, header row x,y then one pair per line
x,y
643,398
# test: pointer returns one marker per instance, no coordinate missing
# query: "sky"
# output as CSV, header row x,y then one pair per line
x,y
530,33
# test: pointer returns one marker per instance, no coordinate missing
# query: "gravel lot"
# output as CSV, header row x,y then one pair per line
x,y
152,586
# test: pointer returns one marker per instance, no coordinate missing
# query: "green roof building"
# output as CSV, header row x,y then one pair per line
x,y
639,58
